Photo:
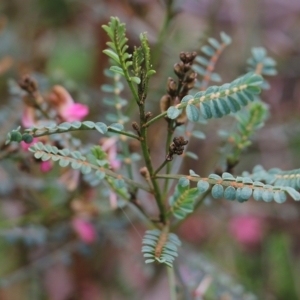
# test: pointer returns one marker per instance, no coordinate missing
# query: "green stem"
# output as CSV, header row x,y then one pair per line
x,y
124,133
172,283
172,176
168,142
160,167
155,119
166,183
147,158
47,132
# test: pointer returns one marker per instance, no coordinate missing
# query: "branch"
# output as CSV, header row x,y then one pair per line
x,y
217,101
46,152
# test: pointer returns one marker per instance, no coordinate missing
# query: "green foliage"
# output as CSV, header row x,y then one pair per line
x,y
276,176
145,70
242,188
218,101
202,186
260,63
65,157
207,65
138,69
42,130
183,199
160,246
117,33
118,48
249,121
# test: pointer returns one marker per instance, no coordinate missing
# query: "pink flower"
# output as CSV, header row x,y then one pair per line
x,y
85,230
46,166
26,146
66,108
28,117
74,112
247,230
110,147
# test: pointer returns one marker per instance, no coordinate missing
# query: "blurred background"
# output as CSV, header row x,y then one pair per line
x,y
243,251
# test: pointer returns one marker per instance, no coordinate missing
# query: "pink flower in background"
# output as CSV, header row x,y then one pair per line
x,y
28,117
247,230
46,166
85,230
65,105
26,146
109,145
74,112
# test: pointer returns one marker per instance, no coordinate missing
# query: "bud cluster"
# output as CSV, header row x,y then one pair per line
x,y
186,81
177,147
28,84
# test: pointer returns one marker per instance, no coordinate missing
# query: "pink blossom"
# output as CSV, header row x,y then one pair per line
x,y
65,105
85,230
28,117
110,147
74,112
26,146
46,166
247,230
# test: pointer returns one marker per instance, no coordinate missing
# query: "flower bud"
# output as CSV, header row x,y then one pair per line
x,y
178,69
182,57
28,84
171,87
191,84
192,76
165,103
